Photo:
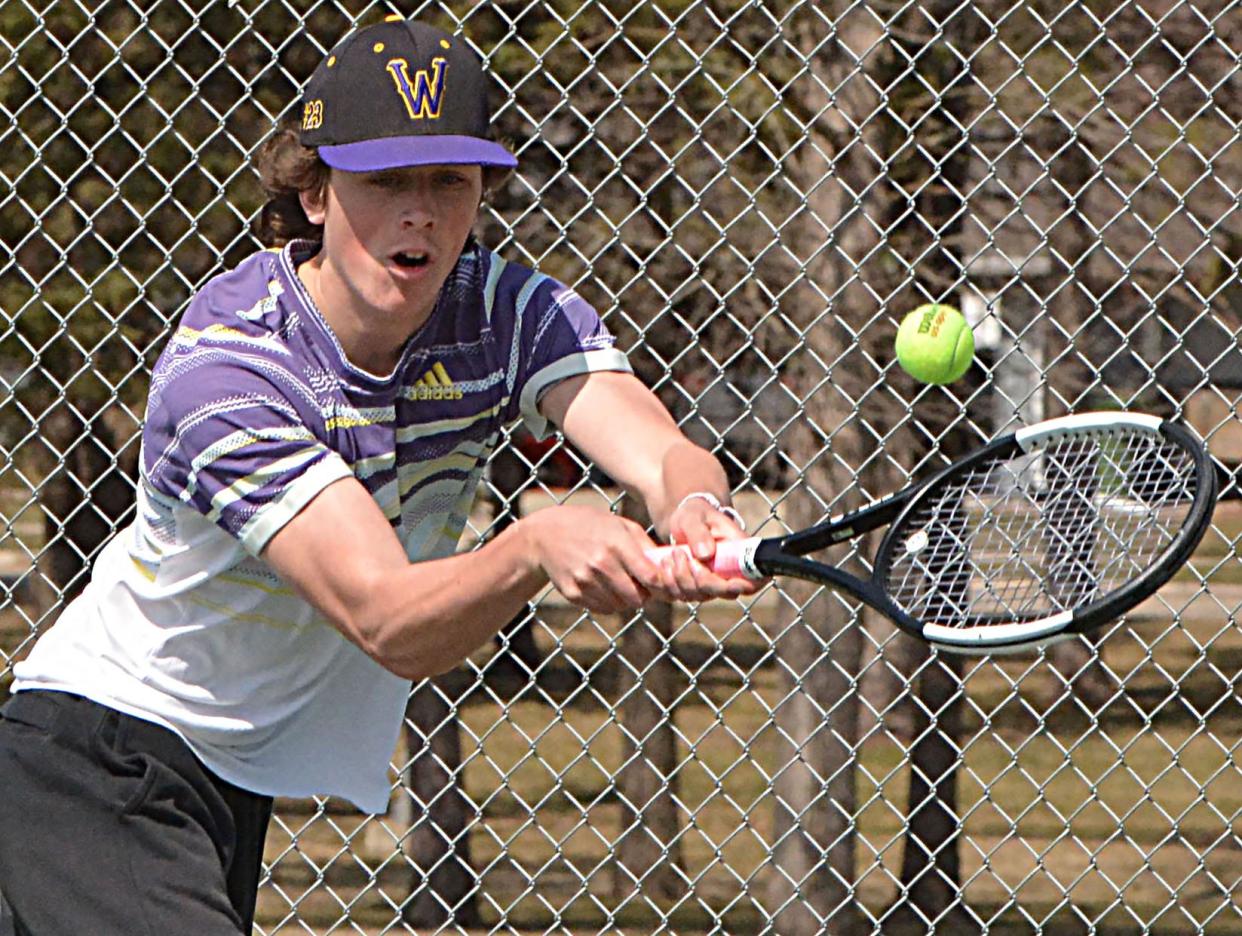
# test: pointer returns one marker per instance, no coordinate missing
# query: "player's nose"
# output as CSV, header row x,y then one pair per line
x,y
416,212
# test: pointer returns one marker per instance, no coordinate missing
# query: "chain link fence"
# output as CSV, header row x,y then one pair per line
x,y
752,192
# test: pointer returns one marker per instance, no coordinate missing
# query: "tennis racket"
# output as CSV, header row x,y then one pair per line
x,y
1051,531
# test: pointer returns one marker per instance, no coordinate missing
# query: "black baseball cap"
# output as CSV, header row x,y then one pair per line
x,y
400,93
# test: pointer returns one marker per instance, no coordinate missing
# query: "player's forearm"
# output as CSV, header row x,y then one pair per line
x,y
623,428
427,617
683,469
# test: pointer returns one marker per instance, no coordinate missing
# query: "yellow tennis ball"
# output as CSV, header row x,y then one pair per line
x,y
935,344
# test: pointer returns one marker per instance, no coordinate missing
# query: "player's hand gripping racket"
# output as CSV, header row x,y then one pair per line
x,y
1050,531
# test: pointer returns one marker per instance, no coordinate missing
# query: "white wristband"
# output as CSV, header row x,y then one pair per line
x,y
715,502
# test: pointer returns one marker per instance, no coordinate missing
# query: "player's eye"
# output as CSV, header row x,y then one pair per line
x,y
387,182
451,178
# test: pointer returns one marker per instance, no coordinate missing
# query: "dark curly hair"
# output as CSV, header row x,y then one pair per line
x,y
287,169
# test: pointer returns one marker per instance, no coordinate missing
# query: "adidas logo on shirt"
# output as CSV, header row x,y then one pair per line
x,y
436,384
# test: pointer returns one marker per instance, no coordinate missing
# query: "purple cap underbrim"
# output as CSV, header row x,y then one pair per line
x,y
424,150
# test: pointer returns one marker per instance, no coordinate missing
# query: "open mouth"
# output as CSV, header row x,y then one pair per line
x,y
411,261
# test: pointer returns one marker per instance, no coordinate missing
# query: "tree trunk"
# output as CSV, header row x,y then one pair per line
x,y
819,644
930,864
87,495
940,40
444,887
508,476
1076,662
648,850
811,890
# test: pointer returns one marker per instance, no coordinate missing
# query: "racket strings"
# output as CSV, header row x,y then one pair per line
x,y
1054,529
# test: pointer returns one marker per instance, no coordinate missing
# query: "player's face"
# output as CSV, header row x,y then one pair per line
x,y
392,237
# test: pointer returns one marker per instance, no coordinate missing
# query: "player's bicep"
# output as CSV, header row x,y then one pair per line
x,y
336,552
236,445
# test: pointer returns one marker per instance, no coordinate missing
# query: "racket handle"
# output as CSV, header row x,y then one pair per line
x,y
733,558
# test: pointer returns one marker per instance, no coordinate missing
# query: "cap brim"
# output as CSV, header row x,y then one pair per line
x,y
425,150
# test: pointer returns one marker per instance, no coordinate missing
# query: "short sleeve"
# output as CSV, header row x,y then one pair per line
x,y
561,336
233,442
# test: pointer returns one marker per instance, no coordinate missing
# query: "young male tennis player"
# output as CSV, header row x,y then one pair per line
x,y
316,430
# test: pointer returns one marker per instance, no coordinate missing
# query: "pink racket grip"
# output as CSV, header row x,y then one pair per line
x,y
733,559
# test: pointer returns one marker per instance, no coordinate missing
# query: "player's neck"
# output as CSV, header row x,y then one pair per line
x,y
372,339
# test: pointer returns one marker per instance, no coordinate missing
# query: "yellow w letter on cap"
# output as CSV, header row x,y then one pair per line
x,y
424,95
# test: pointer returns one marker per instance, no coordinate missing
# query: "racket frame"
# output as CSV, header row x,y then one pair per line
x,y
785,555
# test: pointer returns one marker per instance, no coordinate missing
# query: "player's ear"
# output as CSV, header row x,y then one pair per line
x,y
493,178
313,203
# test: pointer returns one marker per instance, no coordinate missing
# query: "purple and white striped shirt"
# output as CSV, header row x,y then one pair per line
x,y
253,410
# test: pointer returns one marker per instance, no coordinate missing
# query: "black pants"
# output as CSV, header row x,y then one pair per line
x,y
109,825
